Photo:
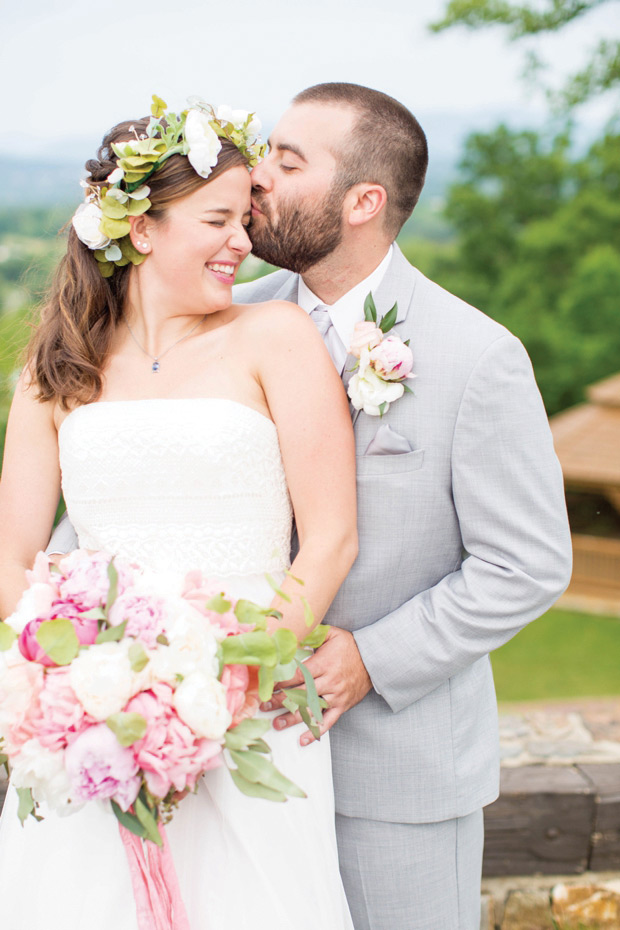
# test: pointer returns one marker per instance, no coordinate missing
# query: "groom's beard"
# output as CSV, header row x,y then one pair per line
x,y
301,236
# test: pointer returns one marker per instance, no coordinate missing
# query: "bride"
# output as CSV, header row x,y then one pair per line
x,y
184,431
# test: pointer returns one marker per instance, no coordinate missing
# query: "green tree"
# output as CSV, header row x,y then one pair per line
x,y
602,71
538,248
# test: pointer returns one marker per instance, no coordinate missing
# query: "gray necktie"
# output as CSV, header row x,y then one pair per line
x,y
321,319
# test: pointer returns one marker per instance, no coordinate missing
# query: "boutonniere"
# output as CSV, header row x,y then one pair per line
x,y
384,362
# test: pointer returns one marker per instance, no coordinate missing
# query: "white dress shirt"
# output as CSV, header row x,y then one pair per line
x,y
345,312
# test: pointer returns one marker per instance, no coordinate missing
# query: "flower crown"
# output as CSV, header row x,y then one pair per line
x,y
102,223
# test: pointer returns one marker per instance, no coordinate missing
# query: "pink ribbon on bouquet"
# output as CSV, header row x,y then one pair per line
x,y
156,891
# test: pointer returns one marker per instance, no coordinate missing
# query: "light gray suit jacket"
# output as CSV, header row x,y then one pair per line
x,y
463,541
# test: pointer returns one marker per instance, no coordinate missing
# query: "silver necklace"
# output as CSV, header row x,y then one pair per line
x,y
155,358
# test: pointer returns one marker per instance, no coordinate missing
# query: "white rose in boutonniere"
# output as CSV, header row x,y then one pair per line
x,y
385,362
86,221
203,141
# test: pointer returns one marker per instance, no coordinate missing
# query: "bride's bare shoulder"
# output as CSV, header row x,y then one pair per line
x,y
265,319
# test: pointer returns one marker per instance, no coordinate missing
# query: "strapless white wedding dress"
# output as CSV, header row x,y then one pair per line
x,y
182,484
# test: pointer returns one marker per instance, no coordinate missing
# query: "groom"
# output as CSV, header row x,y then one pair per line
x,y
462,524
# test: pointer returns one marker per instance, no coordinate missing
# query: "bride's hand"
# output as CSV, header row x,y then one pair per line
x,y
340,677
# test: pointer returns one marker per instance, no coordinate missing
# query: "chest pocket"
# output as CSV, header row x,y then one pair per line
x,y
389,464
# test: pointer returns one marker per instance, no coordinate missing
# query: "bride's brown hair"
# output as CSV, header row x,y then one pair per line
x,y
68,350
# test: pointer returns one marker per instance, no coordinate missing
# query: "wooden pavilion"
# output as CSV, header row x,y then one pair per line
x,y
587,441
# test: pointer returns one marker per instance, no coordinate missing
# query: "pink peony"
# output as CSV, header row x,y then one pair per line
x,y
40,572
366,335
86,581
170,754
145,616
241,683
62,717
99,767
392,359
198,592
20,687
86,631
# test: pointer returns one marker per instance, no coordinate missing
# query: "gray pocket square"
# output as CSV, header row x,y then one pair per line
x,y
387,441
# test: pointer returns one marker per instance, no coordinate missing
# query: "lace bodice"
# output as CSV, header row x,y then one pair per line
x,y
178,484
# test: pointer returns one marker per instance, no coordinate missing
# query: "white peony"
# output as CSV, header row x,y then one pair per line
x,y
35,603
368,391
86,221
43,770
204,143
103,680
200,701
192,646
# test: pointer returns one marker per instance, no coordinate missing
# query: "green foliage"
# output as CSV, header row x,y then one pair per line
x,y
562,654
538,249
128,728
602,71
58,639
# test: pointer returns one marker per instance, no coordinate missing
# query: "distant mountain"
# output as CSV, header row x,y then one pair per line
x,y
36,182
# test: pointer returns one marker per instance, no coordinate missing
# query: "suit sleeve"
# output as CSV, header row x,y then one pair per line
x,y
508,494
64,538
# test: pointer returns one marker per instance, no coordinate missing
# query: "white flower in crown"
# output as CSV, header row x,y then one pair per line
x,y
203,141
385,362
239,118
86,222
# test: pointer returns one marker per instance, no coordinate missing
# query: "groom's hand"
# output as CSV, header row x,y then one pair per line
x,y
340,677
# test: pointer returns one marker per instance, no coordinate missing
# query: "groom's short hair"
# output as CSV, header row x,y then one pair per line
x,y
386,146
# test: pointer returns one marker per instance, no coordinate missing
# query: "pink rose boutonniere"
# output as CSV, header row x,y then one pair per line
x,y
384,365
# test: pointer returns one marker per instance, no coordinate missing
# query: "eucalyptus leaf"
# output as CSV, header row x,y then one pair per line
x,y
7,636
255,768
245,733
266,682
314,704
137,656
254,648
128,820
286,644
316,637
307,719
298,580
218,604
308,615
138,207
95,613
148,821
127,728
111,208
58,639
114,229
112,634
25,806
259,745
273,584
370,311
282,672
250,613
389,319
254,790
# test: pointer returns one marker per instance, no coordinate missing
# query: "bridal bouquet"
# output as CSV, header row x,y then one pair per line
x,y
123,686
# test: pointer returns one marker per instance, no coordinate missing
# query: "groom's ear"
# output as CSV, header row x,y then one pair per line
x,y
363,202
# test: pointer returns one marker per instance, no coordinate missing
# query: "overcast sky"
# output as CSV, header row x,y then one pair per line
x,y
70,70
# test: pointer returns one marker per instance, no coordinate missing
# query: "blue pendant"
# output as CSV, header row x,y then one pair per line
x,y
155,366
